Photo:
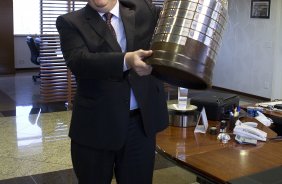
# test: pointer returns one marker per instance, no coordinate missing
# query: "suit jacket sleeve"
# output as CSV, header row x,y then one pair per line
x,y
80,59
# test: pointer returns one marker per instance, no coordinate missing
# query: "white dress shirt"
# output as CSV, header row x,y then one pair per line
x,y
117,24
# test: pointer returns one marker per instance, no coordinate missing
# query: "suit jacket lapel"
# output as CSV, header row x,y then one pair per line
x,y
99,25
128,19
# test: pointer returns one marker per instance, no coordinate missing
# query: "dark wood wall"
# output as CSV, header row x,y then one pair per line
x,y
7,65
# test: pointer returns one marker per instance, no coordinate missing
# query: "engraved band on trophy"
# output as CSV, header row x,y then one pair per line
x,y
186,41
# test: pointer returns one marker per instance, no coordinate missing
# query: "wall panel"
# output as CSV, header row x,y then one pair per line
x,y
6,37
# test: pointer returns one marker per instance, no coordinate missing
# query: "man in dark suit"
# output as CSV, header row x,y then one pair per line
x,y
119,106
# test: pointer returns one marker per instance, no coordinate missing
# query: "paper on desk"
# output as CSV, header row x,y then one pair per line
x,y
266,104
263,119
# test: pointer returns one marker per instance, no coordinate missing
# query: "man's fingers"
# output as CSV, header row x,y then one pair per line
x,y
144,53
135,59
141,71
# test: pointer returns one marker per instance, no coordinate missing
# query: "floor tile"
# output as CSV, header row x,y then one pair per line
x,y
173,175
21,180
161,176
161,162
59,177
6,102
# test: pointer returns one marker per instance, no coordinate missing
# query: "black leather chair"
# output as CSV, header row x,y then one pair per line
x,y
34,46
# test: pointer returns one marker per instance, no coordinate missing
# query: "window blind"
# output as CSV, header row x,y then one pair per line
x,y
57,82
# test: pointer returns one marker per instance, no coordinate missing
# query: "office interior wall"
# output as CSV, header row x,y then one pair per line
x,y
246,59
22,53
277,71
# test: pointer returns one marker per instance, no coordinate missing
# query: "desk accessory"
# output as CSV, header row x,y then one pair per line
x,y
213,130
250,132
202,123
263,119
217,104
278,106
223,136
252,124
182,113
244,140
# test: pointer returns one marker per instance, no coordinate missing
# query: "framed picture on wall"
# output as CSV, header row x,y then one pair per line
x,y
260,9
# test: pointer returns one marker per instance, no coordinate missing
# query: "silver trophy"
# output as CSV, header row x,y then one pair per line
x,y
186,41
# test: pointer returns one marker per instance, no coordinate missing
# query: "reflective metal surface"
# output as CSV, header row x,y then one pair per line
x,y
186,41
183,118
182,113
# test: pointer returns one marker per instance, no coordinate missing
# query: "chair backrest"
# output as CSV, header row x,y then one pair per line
x,y
33,50
37,41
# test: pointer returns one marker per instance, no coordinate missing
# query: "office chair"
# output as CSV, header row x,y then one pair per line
x,y
34,46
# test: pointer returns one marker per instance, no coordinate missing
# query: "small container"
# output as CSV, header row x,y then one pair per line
x,y
223,125
213,130
182,117
251,111
232,122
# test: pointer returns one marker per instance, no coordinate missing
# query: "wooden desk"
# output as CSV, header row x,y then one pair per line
x,y
275,115
214,161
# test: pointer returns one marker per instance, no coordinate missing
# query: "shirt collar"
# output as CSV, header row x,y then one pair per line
x,y
114,11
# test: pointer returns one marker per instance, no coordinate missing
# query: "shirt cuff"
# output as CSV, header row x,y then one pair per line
x,y
124,65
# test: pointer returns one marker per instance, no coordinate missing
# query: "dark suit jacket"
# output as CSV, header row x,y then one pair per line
x,y
101,106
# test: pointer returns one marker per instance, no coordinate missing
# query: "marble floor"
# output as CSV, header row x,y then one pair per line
x,y
34,146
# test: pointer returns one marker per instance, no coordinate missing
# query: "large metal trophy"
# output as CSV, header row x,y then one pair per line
x,y
185,44
186,41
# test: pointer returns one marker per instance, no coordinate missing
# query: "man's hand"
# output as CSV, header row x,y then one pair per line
x,y
134,60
